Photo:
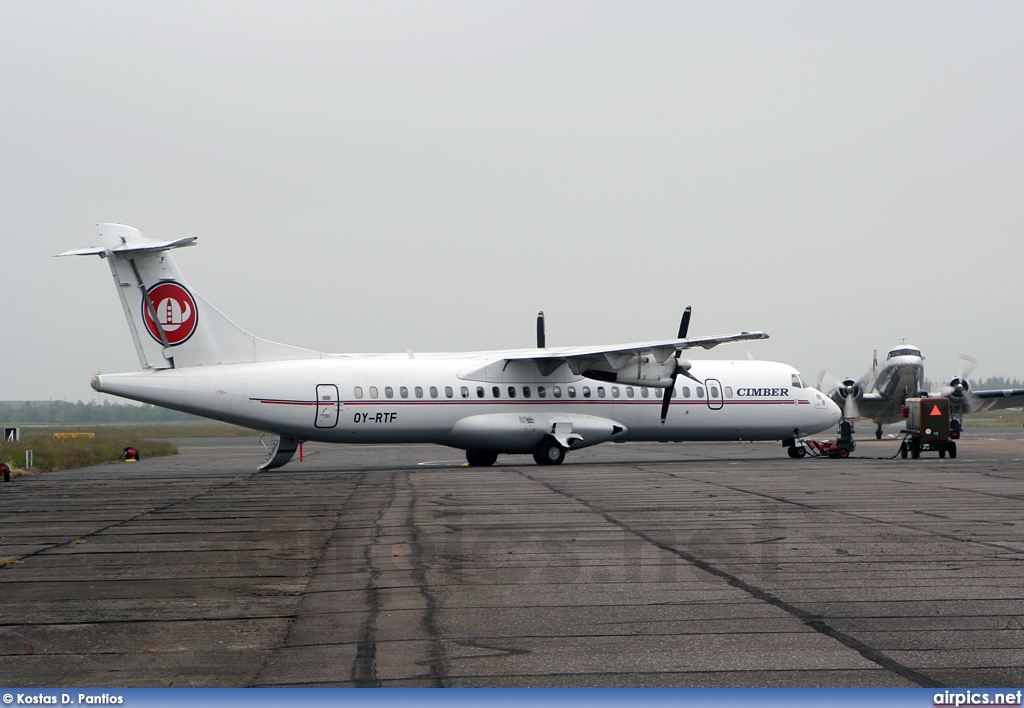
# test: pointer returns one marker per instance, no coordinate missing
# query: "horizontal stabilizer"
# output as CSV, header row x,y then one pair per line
x,y
137,247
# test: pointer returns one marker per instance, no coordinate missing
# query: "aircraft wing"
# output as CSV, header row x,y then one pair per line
x,y
997,399
616,358
874,406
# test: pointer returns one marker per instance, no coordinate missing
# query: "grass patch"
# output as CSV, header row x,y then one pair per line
x,y
108,445
1006,418
51,454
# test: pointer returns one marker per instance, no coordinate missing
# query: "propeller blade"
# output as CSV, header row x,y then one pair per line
x,y
850,410
667,399
682,367
684,324
967,364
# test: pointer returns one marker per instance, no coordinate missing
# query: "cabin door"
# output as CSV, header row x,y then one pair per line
x,y
326,406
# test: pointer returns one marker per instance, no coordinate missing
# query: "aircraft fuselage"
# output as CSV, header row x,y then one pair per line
x,y
430,399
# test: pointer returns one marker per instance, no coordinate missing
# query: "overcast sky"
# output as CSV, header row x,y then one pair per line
x,y
383,176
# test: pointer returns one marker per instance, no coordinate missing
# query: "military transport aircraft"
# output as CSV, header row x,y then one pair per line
x,y
543,401
879,394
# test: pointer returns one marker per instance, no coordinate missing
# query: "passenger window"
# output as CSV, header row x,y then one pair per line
x,y
572,391
433,391
700,392
714,392
686,391
373,391
479,391
728,391
615,391
643,392
556,391
404,391
586,391
542,392
600,391
496,391
464,391
448,392
359,391
419,392
389,392
629,391
511,391
526,391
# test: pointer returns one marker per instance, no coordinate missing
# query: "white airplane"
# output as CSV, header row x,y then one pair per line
x,y
543,401
879,394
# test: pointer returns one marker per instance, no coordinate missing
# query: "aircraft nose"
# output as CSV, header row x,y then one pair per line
x,y
833,411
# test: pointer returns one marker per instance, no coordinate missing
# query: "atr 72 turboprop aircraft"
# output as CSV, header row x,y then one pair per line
x,y
543,401
879,394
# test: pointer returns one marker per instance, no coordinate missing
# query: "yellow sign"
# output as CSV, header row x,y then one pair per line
x,y
73,435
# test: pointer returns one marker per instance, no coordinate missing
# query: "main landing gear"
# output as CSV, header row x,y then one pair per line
x,y
878,432
547,452
480,458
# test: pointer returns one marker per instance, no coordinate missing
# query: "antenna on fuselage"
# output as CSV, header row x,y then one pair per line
x,y
540,329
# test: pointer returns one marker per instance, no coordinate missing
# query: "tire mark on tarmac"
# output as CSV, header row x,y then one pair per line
x,y
811,620
364,667
419,576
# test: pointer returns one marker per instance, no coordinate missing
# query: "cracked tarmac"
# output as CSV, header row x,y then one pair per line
x,y
629,565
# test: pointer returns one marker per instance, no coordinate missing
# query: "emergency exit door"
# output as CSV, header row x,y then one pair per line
x,y
326,406
715,400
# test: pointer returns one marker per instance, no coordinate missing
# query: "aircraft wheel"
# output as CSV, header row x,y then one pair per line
x,y
843,453
878,433
952,450
903,450
480,458
549,452
797,451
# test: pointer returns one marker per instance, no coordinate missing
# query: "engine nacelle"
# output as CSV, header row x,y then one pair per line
x,y
640,371
958,388
849,389
519,433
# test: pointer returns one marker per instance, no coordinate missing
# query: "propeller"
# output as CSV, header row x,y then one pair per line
x,y
847,389
958,390
682,366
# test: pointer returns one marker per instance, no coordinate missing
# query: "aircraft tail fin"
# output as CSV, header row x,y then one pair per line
x,y
172,325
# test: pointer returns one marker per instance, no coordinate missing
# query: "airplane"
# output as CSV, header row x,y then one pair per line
x,y
542,401
879,394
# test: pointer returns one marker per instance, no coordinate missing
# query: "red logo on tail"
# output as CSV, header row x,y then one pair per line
x,y
175,312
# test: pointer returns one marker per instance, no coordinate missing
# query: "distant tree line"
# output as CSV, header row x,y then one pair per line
x,y
997,382
15,412
992,382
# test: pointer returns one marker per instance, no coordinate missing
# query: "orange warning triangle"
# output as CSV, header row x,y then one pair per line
x,y
935,410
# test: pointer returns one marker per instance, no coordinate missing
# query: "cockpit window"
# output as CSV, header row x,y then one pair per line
x,y
797,383
906,351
